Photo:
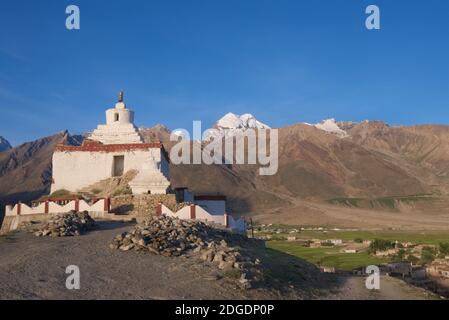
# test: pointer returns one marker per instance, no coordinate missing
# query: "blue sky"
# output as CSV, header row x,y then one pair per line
x,y
178,61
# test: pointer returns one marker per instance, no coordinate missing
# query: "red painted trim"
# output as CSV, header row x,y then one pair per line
x,y
106,207
210,197
226,220
95,146
98,147
46,210
192,211
159,209
77,205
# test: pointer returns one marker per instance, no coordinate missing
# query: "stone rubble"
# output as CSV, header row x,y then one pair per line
x,y
68,224
171,237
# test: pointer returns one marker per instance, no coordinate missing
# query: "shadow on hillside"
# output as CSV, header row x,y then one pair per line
x,y
286,273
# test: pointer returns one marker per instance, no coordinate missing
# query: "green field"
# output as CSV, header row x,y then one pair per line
x,y
332,257
329,256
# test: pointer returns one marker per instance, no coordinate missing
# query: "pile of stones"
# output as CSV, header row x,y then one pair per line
x,y
67,224
167,236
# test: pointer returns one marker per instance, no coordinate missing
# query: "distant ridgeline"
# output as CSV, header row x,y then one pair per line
x,y
4,144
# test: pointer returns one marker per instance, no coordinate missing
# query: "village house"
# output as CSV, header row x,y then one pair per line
x,y
353,247
408,244
387,253
417,250
315,243
335,242
402,269
439,268
326,269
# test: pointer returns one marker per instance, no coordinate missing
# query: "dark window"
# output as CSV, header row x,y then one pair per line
x,y
116,117
118,166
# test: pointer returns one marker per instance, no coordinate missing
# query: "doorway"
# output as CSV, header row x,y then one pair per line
x,y
118,166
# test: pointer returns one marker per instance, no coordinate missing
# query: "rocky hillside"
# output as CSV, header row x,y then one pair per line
x,y
4,144
25,171
331,160
326,161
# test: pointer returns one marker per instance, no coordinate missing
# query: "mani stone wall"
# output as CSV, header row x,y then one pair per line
x,y
143,205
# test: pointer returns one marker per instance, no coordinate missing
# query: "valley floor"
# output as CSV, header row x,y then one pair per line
x,y
310,213
34,268
353,288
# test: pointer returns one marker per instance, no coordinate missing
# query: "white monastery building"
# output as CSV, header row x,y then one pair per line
x,y
111,150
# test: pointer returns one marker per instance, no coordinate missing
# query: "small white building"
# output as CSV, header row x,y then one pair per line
x,y
112,149
214,204
336,242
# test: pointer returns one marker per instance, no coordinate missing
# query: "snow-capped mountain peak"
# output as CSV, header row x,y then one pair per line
x,y
331,126
229,121
245,121
232,124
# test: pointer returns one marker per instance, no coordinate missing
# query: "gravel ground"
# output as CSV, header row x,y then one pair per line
x,y
353,288
34,268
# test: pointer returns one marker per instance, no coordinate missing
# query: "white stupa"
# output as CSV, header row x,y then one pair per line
x,y
151,178
112,150
119,127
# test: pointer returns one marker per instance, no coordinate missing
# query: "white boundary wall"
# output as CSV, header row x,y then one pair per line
x,y
53,207
201,214
213,206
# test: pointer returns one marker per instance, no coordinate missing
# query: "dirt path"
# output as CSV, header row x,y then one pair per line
x,y
353,288
34,268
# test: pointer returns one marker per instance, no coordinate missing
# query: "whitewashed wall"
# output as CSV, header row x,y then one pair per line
x,y
54,208
96,207
10,210
201,214
75,170
215,207
125,116
183,213
239,224
25,210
